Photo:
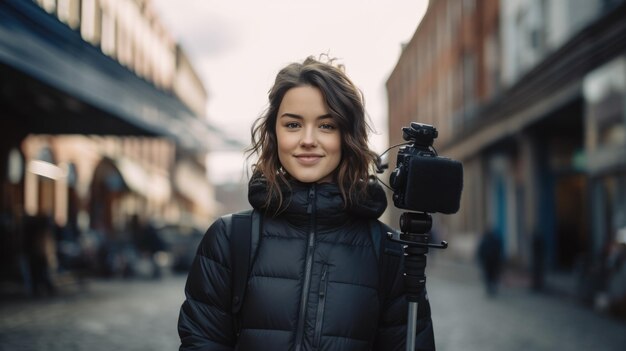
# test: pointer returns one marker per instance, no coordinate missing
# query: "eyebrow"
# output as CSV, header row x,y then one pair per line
x,y
293,115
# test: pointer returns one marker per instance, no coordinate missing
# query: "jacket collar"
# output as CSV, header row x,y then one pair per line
x,y
329,205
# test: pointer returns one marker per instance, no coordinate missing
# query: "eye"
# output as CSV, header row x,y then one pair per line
x,y
328,126
292,125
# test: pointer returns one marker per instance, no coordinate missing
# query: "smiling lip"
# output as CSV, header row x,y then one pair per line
x,y
308,159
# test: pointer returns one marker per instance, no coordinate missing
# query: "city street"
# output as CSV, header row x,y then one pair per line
x,y
123,125
142,315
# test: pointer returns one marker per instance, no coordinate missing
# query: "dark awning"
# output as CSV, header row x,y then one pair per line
x,y
52,81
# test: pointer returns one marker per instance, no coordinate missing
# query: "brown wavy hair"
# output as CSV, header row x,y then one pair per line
x,y
345,104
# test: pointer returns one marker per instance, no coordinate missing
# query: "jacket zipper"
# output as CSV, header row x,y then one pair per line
x,y
320,307
311,209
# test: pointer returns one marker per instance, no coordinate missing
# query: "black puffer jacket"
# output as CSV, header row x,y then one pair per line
x,y
314,284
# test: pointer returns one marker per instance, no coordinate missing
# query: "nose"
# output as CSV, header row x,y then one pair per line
x,y
309,138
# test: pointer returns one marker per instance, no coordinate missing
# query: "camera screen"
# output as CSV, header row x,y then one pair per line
x,y
434,184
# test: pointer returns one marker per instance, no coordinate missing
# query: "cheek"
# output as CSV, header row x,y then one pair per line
x,y
337,144
335,148
284,144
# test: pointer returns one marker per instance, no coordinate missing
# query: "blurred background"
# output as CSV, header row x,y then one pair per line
x,y
123,125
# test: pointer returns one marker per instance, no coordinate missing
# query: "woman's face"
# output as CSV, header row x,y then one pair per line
x,y
309,140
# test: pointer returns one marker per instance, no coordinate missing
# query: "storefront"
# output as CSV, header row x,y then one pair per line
x,y
605,95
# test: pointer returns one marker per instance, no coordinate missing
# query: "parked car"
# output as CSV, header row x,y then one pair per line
x,y
182,242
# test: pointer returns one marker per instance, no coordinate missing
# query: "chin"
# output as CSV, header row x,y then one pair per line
x,y
309,178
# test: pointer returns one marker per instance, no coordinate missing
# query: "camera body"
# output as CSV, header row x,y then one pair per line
x,y
423,181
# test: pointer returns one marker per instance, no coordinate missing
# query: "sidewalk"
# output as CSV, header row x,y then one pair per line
x,y
516,319
142,315
559,284
113,314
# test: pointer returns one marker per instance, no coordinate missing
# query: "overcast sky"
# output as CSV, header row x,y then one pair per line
x,y
239,46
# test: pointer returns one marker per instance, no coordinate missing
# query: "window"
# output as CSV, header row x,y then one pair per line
x,y
48,5
469,78
90,26
469,6
109,37
605,94
68,12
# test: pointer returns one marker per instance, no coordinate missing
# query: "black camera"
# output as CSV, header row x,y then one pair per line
x,y
423,181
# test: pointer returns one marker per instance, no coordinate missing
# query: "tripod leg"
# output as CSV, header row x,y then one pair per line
x,y
411,325
415,282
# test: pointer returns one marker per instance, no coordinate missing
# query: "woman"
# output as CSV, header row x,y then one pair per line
x,y
316,282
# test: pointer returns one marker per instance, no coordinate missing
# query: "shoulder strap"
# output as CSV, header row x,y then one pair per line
x,y
376,234
384,248
244,241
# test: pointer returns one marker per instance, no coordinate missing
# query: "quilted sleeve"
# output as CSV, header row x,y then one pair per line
x,y
205,321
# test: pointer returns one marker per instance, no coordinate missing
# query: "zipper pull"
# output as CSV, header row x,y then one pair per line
x,y
322,290
309,208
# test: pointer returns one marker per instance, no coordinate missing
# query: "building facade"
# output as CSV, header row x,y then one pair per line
x,y
103,123
537,120
436,82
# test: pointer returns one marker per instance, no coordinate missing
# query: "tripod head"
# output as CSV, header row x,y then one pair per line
x,y
414,235
414,231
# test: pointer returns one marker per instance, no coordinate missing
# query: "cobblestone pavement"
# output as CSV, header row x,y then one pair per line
x,y
108,315
142,315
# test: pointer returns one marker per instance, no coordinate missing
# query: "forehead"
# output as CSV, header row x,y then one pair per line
x,y
304,99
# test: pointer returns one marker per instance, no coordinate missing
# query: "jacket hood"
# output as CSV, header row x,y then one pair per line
x,y
329,204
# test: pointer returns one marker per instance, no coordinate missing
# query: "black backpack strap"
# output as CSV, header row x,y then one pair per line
x,y
240,239
255,235
377,236
376,233
244,241
386,248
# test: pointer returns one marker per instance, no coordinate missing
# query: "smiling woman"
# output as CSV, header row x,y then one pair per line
x,y
314,130
319,278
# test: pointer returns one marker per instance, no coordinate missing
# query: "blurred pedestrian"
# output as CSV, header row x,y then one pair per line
x,y
490,258
40,249
148,244
153,245
315,283
538,261
616,274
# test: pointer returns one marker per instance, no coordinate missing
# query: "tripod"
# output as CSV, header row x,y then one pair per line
x,y
415,238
